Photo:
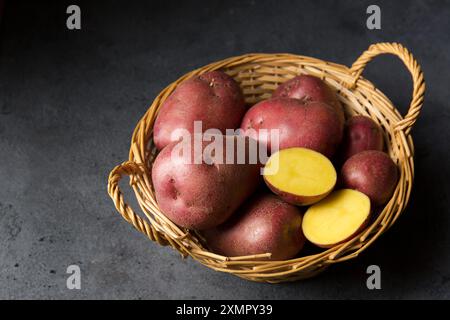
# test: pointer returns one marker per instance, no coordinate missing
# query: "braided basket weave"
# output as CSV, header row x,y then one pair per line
x,y
258,75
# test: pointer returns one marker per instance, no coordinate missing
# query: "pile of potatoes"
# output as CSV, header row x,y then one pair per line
x,y
243,209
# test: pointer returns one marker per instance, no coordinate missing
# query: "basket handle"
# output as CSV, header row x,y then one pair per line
x,y
131,169
414,68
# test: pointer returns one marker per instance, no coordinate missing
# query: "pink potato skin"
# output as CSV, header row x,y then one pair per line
x,y
265,223
360,134
213,98
313,125
296,199
372,173
200,196
309,88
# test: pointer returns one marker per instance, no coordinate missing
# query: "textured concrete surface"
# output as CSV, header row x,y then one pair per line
x,y
69,101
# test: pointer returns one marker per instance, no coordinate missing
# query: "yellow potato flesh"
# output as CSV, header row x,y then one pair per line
x,y
300,171
336,218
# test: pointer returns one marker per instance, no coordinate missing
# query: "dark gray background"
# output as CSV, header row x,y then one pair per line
x,y
69,101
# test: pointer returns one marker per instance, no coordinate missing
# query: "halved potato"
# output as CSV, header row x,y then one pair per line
x,y
336,218
300,176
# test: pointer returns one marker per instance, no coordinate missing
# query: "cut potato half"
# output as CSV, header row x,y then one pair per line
x,y
300,176
336,218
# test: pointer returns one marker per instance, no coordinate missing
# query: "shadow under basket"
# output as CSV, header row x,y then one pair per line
x,y
259,75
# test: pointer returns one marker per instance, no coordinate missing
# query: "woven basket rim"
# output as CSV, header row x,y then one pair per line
x,y
258,70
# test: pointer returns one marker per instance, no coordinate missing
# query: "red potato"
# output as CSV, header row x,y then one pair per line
x,y
264,224
309,88
300,176
201,196
372,173
213,98
313,125
361,133
337,218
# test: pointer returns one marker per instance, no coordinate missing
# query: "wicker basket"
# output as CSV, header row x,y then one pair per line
x,y
258,75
